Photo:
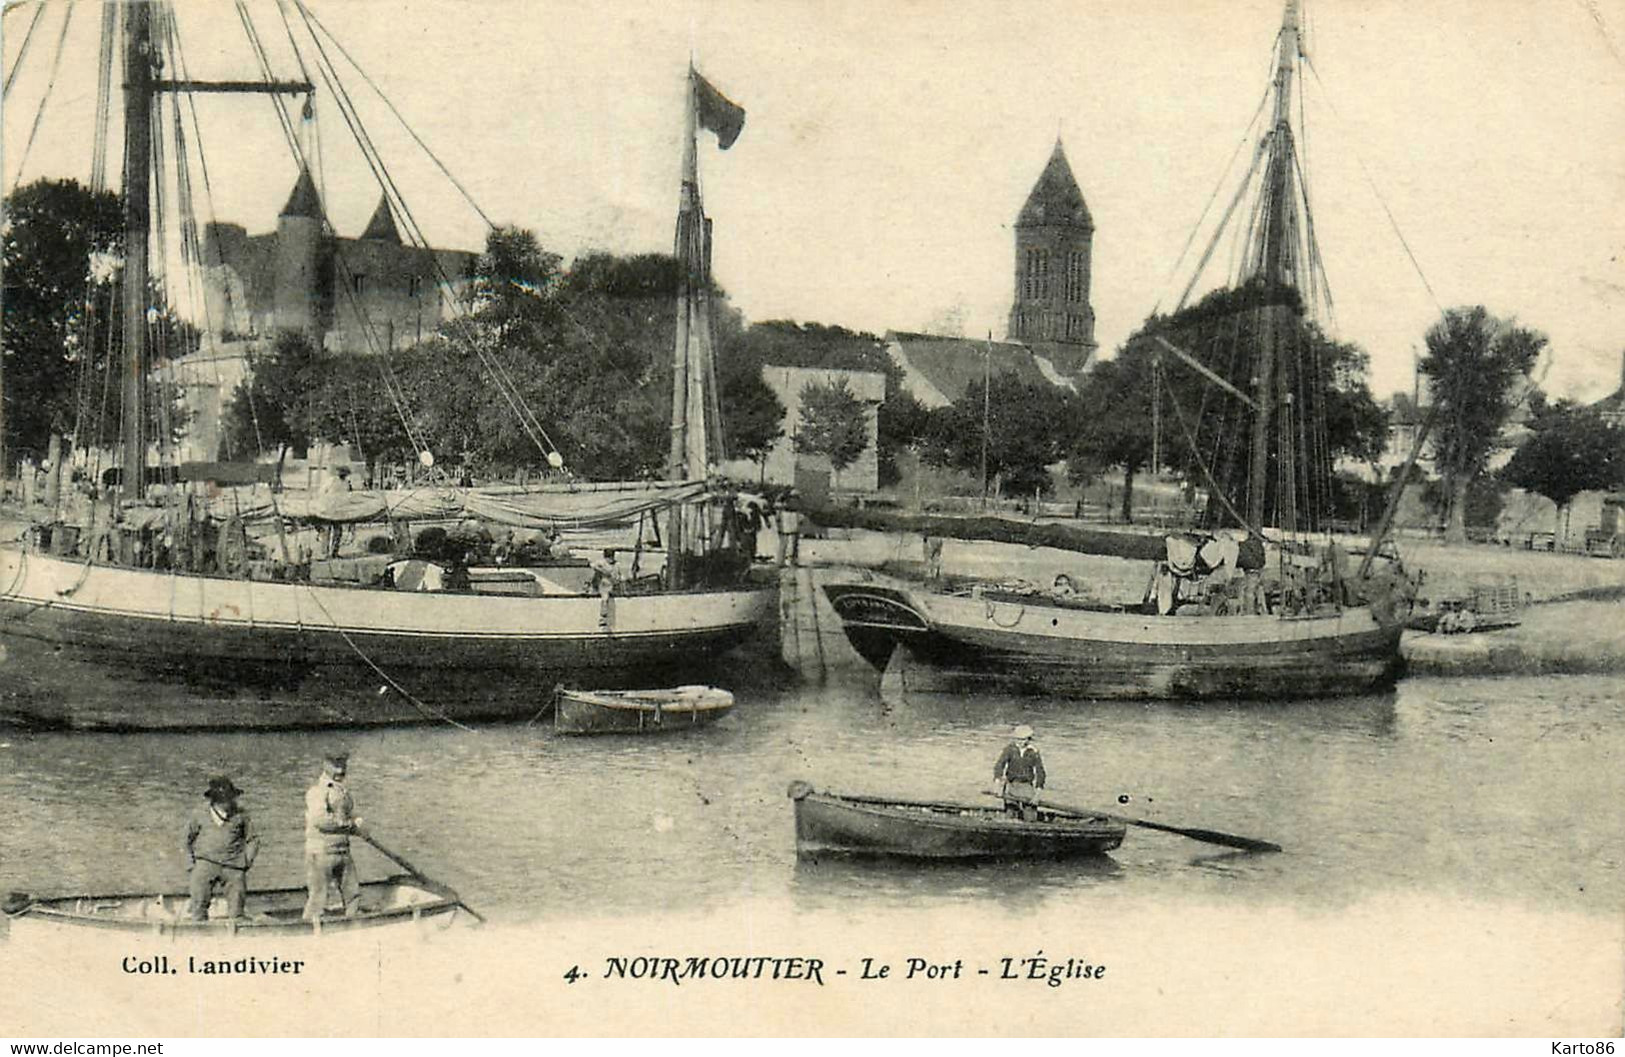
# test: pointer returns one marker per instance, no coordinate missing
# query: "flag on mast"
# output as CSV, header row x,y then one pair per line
x,y
716,111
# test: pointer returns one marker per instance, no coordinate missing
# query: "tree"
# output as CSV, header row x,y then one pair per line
x,y
1115,421
834,424
1027,426
1572,450
1476,366
63,326
263,412
55,307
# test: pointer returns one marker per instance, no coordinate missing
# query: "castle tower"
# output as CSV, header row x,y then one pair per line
x,y
1054,242
302,278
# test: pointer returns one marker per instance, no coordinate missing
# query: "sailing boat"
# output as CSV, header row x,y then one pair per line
x,y
62,597
1226,616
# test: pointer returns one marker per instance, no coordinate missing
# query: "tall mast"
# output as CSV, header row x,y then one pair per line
x,y
689,253
142,86
1274,264
139,92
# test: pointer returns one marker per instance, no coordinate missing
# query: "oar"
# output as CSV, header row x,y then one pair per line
x,y
1211,836
415,872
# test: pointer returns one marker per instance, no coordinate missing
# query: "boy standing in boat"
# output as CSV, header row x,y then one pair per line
x,y
220,846
1021,769
329,822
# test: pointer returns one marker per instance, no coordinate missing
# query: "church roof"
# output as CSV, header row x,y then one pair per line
x,y
304,201
939,370
1056,198
382,224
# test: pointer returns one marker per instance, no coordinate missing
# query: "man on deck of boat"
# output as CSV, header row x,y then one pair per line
x,y
1021,769
329,822
220,847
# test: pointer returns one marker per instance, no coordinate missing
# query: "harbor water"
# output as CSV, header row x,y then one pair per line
x,y
1504,790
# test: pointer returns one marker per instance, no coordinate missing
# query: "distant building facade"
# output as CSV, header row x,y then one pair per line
x,y
1054,269
783,461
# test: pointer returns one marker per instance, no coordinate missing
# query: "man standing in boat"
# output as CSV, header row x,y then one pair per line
x,y
1021,769
220,846
329,822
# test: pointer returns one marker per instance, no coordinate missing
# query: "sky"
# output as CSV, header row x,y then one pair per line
x,y
889,146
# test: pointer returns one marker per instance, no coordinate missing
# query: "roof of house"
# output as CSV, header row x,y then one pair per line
x,y
938,370
1056,198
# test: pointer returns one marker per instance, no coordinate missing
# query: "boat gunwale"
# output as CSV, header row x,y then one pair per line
x,y
445,900
951,815
604,699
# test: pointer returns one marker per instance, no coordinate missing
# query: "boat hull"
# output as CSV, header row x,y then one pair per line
x,y
420,656
639,712
828,823
396,901
928,641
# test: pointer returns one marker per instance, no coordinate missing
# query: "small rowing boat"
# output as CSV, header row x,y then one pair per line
x,y
929,829
639,711
399,900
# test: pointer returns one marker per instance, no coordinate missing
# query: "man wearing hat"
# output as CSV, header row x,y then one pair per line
x,y
329,822
220,846
1021,769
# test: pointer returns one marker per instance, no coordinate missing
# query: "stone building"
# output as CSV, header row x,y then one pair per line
x,y
365,295
368,294
1054,249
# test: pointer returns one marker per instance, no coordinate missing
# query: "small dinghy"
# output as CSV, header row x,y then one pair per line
x,y
929,829
639,711
399,900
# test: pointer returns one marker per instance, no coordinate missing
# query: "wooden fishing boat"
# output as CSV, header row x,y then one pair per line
x,y
933,641
260,619
1261,602
928,829
399,900
639,711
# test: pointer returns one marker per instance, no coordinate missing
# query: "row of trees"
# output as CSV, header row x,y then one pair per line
x,y
588,347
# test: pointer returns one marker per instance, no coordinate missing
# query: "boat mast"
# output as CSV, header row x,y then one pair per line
x,y
139,93
1274,265
142,86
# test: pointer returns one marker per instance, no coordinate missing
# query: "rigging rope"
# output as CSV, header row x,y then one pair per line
x,y
50,86
22,52
409,130
104,96
1380,201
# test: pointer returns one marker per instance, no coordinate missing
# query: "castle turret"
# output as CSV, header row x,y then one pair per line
x,y
382,225
300,275
1054,244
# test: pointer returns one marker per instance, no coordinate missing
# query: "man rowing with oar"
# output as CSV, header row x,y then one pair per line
x,y
1021,769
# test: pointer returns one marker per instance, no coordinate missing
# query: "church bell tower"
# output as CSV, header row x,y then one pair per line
x,y
1054,241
